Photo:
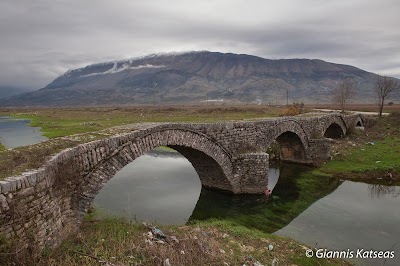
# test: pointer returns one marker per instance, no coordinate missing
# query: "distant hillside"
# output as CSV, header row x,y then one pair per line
x,y
6,91
194,77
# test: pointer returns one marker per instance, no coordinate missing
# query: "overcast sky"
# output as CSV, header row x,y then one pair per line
x,y
41,39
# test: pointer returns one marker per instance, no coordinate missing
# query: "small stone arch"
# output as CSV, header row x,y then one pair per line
x,y
359,122
334,131
212,163
292,140
335,128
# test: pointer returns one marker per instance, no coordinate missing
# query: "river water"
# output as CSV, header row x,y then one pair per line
x,y
355,216
163,187
17,132
166,194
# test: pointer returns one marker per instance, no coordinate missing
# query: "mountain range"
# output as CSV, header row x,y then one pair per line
x,y
193,77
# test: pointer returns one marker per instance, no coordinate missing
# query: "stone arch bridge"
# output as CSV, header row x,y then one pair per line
x,y
42,207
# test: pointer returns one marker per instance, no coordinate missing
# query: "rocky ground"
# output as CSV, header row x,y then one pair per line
x,y
120,243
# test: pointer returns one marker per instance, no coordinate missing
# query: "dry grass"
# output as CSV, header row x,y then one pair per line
x,y
57,122
117,242
357,107
16,161
60,122
294,109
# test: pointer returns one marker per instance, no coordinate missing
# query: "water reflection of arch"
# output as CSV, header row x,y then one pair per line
x,y
161,186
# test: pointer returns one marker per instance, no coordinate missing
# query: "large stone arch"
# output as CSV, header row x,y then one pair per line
x,y
292,135
334,128
212,163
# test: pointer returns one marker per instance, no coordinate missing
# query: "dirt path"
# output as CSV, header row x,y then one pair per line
x,y
353,112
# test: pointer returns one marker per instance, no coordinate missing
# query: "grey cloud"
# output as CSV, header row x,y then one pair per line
x,y
44,38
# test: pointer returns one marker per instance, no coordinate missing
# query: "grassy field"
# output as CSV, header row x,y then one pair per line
x,y
61,122
58,122
18,160
357,107
373,153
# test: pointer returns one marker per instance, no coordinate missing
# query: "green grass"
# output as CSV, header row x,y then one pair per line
x,y
61,127
16,161
377,151
68,121
165,148
2,147
382,156
294,193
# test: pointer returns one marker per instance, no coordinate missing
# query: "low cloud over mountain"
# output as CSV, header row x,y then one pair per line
x,y
194,77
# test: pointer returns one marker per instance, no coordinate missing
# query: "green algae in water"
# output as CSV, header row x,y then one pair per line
x,y
298,187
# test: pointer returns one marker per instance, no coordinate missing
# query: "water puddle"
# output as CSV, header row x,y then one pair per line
x,y
17,132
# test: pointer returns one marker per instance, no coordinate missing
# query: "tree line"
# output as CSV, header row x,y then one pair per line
x,y
383,87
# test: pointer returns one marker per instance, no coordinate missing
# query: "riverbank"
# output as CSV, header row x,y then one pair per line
x,y
369,154
118,242
254,216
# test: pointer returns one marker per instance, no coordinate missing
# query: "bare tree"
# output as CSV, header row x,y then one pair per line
x,y
383,87
345,90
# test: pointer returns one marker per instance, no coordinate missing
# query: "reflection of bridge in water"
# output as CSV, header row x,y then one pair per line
x,y
295,191
48,204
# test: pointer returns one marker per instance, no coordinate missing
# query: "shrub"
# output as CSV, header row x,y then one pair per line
x,y
294,109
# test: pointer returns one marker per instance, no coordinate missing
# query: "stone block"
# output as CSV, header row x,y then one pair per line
x,y
3,203
5,186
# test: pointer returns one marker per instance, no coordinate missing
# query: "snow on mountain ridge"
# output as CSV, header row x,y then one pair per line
x,y
125,66
129,60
